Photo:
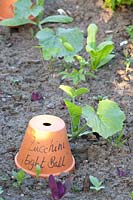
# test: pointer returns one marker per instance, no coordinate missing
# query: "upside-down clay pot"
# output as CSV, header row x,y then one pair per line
x,y
6,9
45,144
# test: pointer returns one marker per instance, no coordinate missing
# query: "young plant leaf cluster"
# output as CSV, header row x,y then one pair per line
x,y
19,177
97,184
99,56
106,121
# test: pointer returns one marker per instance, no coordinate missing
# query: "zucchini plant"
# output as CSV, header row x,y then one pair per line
x,y
107,120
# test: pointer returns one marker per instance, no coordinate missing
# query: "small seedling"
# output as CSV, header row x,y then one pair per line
x,y
129,30
1,190
97,185
119,139
73,93
38,170
100,97
19,177
128,62
78,75
131,195
75,188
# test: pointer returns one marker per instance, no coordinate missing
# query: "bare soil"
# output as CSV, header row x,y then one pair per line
x,y
23,72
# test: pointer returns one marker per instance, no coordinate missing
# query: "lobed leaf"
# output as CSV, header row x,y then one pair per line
x,y
108,119
52,42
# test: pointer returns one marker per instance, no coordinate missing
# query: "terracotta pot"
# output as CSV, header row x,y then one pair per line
x,y
45,143
6,9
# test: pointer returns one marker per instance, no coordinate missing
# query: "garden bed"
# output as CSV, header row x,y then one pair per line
x,y
23,72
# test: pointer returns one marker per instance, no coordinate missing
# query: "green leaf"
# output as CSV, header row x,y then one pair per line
x,y
99,57
95,181
16,22
105,60
97,188
52,42
57,19
19,176
69,90
73,93
80,91
38,170
42,4
1,190
91,38
75,114
36,10
108,119
22,8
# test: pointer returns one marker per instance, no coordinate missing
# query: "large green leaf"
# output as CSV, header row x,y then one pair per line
x,y
75,114
108,119
52,42
57,19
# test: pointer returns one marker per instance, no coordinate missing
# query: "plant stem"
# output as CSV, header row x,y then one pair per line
x,y
40,26
82,128
76,134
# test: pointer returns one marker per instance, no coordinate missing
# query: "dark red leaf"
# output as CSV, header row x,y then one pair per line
x,y
36,96
59,189
121,172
